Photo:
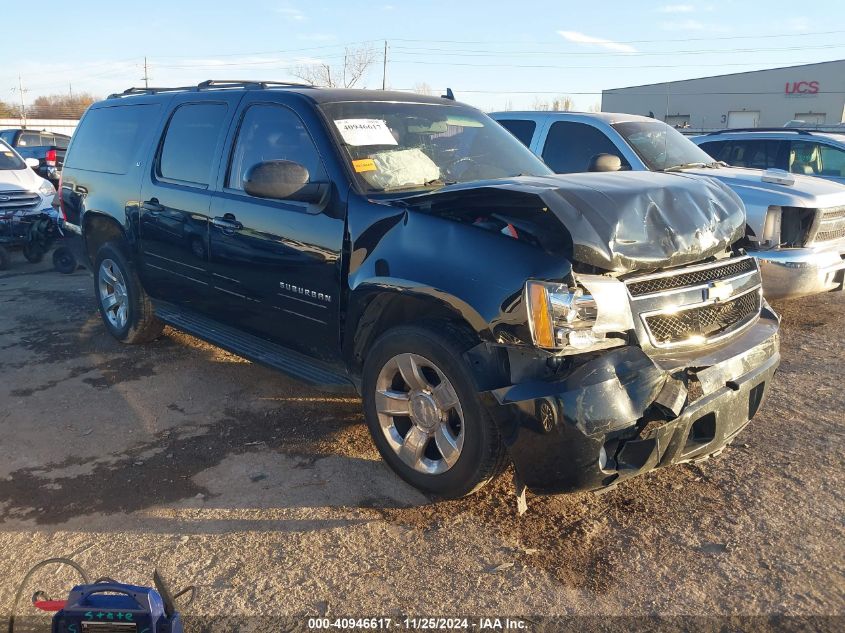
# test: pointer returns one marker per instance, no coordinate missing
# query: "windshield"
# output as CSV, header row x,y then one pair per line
x,y
9,158
402,146
660,146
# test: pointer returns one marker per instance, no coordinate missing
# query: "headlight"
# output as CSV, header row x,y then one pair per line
x,y
46,188
771,227
575,319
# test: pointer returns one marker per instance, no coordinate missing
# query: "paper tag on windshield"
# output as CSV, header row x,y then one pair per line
x,y
359,132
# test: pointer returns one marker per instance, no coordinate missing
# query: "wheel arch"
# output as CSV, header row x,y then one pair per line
x,y
374,309
99,228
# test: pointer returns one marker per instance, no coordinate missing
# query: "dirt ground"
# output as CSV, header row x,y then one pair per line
x,y
270,498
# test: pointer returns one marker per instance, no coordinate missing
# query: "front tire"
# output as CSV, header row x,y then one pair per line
x,y
125,308
424,413
33,252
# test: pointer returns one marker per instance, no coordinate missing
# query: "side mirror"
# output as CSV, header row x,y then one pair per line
x,y
605,162
282,180
32,162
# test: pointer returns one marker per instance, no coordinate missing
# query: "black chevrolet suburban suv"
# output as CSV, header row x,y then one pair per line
x,y
587,328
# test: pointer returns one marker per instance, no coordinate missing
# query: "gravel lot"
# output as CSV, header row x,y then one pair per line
x,y
270,497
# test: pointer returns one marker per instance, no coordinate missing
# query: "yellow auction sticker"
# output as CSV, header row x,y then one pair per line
x,y
364,164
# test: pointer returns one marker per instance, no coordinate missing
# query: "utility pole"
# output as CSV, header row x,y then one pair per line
x,y
70,90
384,68
21,91
146,76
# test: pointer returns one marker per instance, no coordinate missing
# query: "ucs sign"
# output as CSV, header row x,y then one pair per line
x,y
802,88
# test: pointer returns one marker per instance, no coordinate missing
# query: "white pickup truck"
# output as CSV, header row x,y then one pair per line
x,y
795,223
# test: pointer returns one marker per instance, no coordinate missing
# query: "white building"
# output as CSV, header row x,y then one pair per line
x,y
814,93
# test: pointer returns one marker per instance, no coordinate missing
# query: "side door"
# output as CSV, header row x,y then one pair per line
x,y
570,146
275,264
176,196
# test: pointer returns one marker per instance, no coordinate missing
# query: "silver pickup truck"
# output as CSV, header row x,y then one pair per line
x,y
795,224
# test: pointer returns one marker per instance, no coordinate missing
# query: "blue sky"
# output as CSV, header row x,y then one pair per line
x,y
492,54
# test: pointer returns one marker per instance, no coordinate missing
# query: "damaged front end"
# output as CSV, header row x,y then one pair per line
x,y
680,362
653,346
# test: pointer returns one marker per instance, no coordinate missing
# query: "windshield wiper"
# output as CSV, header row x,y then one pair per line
x,y
685,166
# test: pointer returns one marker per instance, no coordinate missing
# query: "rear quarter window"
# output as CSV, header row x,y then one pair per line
x,y
521,129
190,142
107,139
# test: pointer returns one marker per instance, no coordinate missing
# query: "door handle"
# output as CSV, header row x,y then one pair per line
x,y
152,205
227,224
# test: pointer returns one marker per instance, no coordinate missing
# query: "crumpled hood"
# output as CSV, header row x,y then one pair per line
x,y
621,221
19,179
807,191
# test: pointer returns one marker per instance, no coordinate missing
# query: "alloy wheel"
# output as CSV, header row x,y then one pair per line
x,y
113,295
420,413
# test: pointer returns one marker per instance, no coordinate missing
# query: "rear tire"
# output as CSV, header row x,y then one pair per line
x,y
424,413
64,261
125,307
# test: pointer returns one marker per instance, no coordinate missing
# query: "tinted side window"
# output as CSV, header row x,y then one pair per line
x,y
521,129
190,142
759,154
570,146
718,150
107,139
804,158
62,141
8,136
833,161
272,132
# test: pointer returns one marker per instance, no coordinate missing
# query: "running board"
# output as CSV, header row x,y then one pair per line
x,y
255,349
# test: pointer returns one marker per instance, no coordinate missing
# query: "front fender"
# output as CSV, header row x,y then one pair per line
x,y
475,273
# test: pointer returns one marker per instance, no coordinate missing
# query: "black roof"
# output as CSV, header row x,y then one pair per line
x,y
315,94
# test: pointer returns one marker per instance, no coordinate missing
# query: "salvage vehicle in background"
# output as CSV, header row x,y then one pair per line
x,y
799,151
796,224
410,248
48,148
27,219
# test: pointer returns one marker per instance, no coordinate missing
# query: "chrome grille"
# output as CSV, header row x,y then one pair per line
x,y
833,213
827,236
696,304
17,200
683,279
831,225
706,321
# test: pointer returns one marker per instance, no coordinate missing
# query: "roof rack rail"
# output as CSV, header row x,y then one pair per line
x,y
240,83
761,129
212,84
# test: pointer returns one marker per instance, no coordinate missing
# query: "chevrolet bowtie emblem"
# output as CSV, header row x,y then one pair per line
x,y
718,291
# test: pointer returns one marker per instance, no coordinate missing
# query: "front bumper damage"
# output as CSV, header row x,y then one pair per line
x,y
797,272
624,413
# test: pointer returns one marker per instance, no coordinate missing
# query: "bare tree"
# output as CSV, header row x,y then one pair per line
x,y
7,110
558,104
356,63
60,106
422,88
596,107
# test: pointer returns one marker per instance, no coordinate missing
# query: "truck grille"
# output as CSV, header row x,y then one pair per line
x,y
831,225
697,304
692,278
17,200
705,321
